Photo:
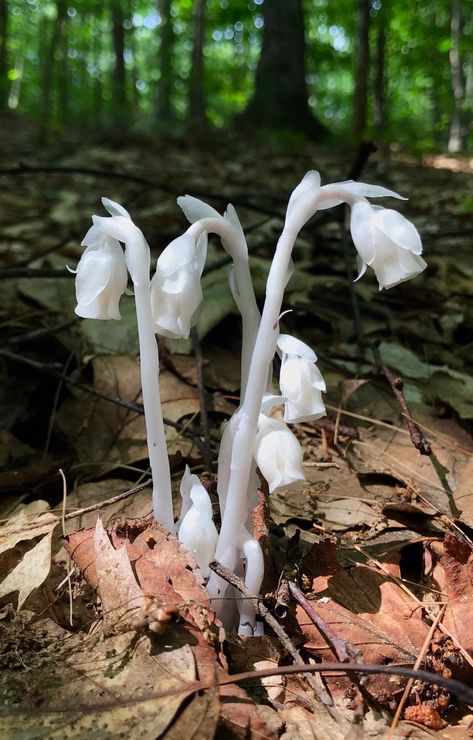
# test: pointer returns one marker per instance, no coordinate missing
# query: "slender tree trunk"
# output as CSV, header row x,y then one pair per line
x,y
63,113
360,100
164,113
95,50
120,102
49,72
196,82
455,141
380,78
3,53
280,100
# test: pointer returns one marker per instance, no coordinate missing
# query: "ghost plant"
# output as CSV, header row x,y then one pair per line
x,y
168,305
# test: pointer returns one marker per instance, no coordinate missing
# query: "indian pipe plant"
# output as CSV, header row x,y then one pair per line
x,y
168,305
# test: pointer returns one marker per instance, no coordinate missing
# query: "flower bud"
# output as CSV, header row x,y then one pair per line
x,y
300,380
197,532
101,277
278,453
387,242
176,292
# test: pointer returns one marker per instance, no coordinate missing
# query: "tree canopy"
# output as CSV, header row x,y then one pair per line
x,y
99,64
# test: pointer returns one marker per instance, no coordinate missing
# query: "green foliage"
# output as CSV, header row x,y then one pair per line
x,y
418,85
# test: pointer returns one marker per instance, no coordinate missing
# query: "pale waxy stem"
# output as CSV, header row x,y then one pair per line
x,y
234,244
138,258
241,461
157,451
254,572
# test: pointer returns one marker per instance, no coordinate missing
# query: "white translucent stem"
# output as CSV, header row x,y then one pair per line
x,y
236,507
254,572
235,245
138,262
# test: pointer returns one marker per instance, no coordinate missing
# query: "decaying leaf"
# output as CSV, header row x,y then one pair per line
x,y
31,570
365,608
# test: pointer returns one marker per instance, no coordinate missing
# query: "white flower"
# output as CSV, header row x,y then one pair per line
x,y
176,292
278,453
101,277
300,381
387,242
121,227
197,532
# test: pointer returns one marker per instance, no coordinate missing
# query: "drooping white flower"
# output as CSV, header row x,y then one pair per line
x,y
197,532
300,381
176,292
387,242
101,277
119,226
278,453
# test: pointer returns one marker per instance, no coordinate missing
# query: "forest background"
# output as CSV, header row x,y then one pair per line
x,y
402,72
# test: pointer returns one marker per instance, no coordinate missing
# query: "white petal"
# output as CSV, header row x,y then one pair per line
x,y
301,204
94,237
178,253
363,230
231,216
195,209
114,209
201,252
278,453
399,229
292,346
93,275
364,190
119,227
362,267
269,402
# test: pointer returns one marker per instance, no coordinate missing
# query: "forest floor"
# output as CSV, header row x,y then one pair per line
x,y
378,540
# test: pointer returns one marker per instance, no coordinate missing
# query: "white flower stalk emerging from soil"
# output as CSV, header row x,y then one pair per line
x,y
197,531
110,230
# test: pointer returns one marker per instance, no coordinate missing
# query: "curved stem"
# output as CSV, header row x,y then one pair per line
x,y
157,451
236,506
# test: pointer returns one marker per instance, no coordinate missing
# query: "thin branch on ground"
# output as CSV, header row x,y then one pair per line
x,y
265,614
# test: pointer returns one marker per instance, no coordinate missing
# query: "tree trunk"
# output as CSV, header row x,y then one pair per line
x,y
280,100
49,67
120,102
164,112
379,79
360,99
196,83
3,53
455,141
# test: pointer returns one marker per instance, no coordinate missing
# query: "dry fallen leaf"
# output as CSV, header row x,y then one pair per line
x,y
366,609
30,570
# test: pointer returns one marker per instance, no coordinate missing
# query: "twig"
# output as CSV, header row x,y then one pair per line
x,y
108,502
51,369
260,608
342,649
419,660
417,437
460,690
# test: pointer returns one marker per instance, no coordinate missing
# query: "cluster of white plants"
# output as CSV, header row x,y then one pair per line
x,y
168,304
